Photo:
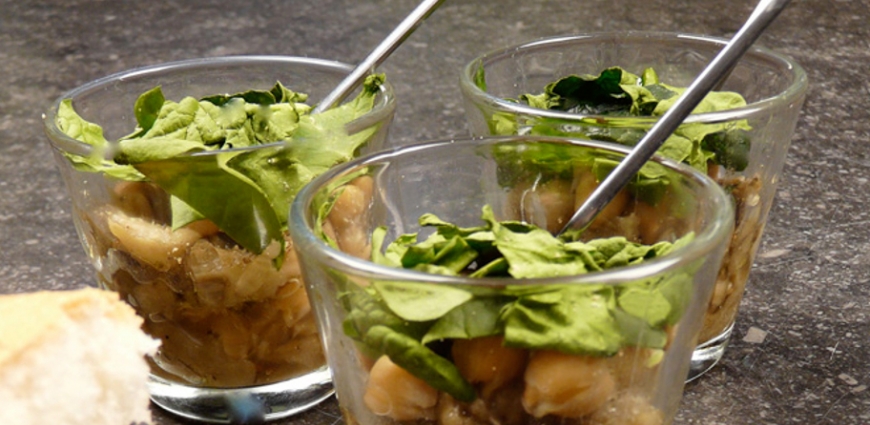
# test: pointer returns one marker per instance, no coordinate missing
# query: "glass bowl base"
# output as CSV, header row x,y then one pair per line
x,y
708,354
242,405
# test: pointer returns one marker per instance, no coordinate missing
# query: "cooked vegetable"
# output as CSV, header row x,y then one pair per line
x,y
406,321
625,99
246,193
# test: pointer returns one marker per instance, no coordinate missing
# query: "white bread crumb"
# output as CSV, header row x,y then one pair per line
x,y
72,358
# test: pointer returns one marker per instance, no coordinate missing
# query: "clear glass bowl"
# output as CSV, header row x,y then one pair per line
x,y
506,380
773,85
231,323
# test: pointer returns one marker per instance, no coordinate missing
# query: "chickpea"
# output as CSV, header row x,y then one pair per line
x,y
652,222
329,231
631,368
451,412
566,385
142,200
292,301
153,244
487,361
348,217
628,409
349,205
548,205
366,184
586,184
133,199
392,391
503,407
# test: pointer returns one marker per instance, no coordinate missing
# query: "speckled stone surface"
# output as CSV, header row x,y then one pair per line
x,y
809,291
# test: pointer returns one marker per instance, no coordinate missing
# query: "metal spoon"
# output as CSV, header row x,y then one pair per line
x,y
765,12
378,55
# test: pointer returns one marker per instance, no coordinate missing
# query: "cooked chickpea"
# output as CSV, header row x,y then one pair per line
x,y
652,222
154,244
586,183
451,412
486,361
392,391
548,205
632,368
628,409
570,386
347,217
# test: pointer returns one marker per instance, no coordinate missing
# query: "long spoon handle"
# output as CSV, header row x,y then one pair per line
x,y
377,56
765,12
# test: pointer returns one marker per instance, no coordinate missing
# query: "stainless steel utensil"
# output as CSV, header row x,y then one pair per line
x,y
379,54
765,12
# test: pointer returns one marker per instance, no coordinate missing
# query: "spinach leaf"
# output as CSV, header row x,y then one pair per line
x,y
420,302
245,213
402,319
624,97
534,253
366,310
147,108
637,332
76,127
247,194
420,361
476,318
574,320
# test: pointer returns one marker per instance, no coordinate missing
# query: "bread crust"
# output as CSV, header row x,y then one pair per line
x,y
28,319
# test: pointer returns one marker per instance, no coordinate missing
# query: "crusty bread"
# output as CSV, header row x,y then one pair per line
x,y
72,358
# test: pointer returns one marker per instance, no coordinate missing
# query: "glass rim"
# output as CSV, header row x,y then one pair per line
x,y
61,141
797,88
715,231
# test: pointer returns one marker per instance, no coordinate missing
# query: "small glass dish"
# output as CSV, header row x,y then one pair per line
x,y
234,322
755,142
409,346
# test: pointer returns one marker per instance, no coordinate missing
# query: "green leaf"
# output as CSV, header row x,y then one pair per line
x,y
173,120
678,289
618,94
480,76
147,108
257,186
378,256
731,148
318,143
366,310
574,320
244,214
420,361
182,214
476,318
645,303
637,332
494,268
76,127
284,95
536,253
259,97
155,149
420,302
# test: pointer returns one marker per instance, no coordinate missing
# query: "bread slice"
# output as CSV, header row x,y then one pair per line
x,y
72,358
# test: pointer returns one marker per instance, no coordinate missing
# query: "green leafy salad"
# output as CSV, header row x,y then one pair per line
x,y
245,192
412,322
624,97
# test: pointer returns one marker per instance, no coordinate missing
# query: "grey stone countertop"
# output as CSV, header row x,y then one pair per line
x,y
809,291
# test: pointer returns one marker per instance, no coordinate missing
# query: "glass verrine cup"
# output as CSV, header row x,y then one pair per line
x,y
742,148
224,293
407,345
